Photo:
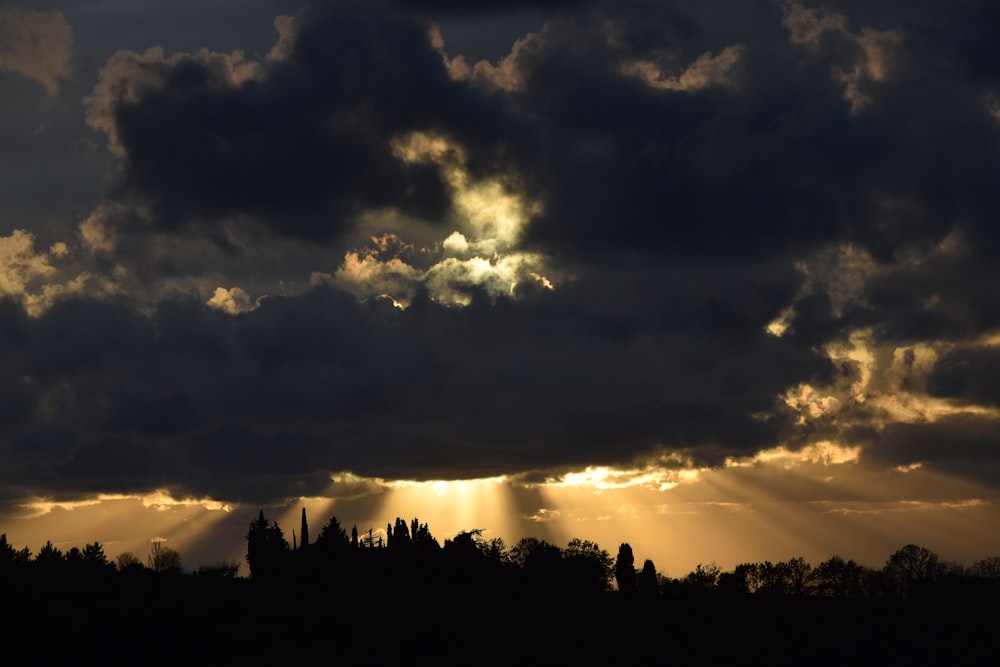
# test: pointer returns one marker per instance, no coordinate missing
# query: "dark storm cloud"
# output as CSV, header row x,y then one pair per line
x,y
952,294
969,374
963,445
684,160
260,406
302,149
794,140
779,159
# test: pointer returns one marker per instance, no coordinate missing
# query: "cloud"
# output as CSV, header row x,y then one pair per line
x,y
233,301
38,46
300,142
655,242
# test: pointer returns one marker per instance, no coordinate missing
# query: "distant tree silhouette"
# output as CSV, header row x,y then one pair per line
x,y
987,568
422,538
93,562
747,577
128,561
398,535
468,561
267,550
331,557
798,576
539,563
836,577
49,554
587,566
649,582
50,560
162,559
495,552
94,553
625,569
304,534
703,579
911,567
463,557
11,558
332,538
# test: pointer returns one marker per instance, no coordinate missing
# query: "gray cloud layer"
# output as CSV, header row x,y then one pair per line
x,y
688,178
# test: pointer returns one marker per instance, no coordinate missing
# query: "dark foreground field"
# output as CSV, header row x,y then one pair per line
x,y
233,622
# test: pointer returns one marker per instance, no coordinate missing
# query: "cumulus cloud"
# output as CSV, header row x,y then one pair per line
x,y
37,45
233,301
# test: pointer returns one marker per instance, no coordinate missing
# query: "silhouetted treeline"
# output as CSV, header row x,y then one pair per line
x,y
401,594
406,556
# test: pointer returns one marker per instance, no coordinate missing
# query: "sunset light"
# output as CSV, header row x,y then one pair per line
x,y
441,304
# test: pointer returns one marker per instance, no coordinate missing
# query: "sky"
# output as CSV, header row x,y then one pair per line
x,y
714,279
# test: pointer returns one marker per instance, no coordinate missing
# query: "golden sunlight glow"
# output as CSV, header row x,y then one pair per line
x,y
493,213
807,400
121,523
490,216
456,505
779,325
417,147
858,351
823,453
911,408
231,301
160,500
991,339
488,210
600,478
900,506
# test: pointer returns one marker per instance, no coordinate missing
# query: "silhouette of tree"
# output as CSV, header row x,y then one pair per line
x,y
798,576
703,579
773,578
587,566
987,568
649,582
422,538
11,558
398,535
495,553
328,558
128,561
333,538
463,555
836,577
910,567
49,560
625,569
94,554
162,559
267,550
747,577
49,554
74,557
92,562
538,561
